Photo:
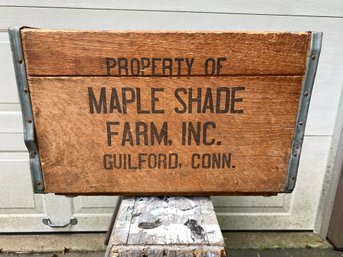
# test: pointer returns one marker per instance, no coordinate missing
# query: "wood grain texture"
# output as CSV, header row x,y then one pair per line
x,y
73,141
83,53
167,226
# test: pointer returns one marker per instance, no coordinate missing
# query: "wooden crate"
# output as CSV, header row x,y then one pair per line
x,y
174,113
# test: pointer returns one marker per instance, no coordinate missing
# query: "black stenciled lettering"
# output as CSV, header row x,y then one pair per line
x,y
141,159
126,98
152,161
122,66
135,67
100,105
179,61
236,100
216,158
172,163
219,65
107,161
155,99
127,135
110,64
162,161
117,164
130,166
211,161
208,102
111,133
197,133
139,103
159,135
115,103
210,66
206,126
124,161
192,100
183,133
194,133
195,157
167,65
176,93
189,65
145,63
226,97
141,132
206,160
153,66
226,160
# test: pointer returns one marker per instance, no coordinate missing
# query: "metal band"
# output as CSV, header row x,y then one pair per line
x,y
310,74
25,103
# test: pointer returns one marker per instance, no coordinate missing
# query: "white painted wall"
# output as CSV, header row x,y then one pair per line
x,y
20,210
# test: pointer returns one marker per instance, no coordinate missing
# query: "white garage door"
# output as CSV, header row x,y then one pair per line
x,y
22,211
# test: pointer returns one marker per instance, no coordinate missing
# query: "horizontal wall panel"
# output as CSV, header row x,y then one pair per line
x,y
8,87
249,201
11,122
12,142
264,7
15,184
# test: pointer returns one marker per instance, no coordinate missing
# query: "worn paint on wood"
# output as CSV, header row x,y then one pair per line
x,y
142,113
166,226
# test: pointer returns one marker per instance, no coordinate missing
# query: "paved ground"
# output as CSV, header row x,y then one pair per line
x,y
232,253
239,244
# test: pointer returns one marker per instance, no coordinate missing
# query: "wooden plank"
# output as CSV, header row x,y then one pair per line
x,y
210,222
95,53
123,221
255,142
167,220
159,251
169,226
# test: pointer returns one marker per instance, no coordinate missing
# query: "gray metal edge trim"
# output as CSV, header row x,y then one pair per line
x,y
310,74
25,104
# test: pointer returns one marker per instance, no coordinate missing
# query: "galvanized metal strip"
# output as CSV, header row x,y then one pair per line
x,y
25,103
310,74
